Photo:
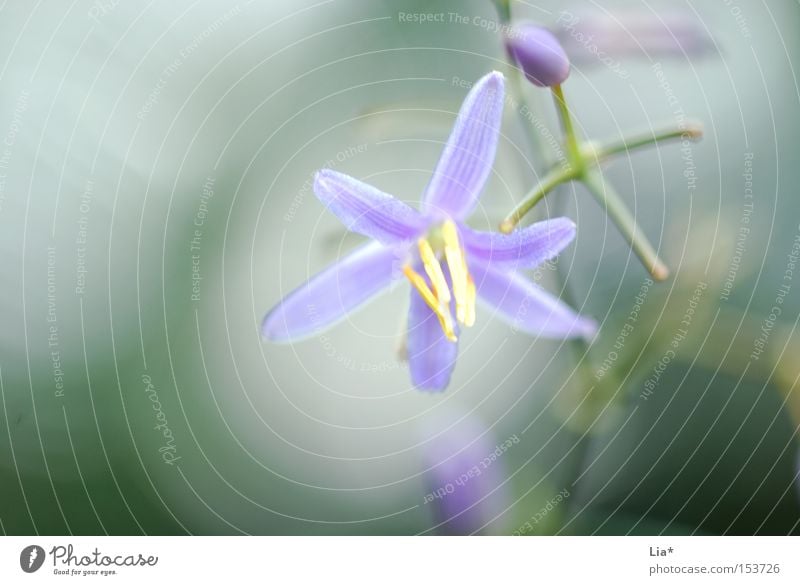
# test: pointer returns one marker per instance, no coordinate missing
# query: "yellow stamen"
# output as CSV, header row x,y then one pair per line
x,y
443,313
434,271
469,319
471,293
458,268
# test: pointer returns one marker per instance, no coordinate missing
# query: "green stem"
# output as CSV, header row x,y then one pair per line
x,y
503,10
580,349
573,148
692,131
550,181
536,142
587,155
538,147
620,214
554,178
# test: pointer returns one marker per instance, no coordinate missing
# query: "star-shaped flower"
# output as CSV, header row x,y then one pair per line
x,y
448,264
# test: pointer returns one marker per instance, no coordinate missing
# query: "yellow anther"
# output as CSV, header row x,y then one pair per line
x,y
442,312
456,262
434,272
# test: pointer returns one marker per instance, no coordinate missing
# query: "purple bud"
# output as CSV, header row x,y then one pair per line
x,y
538,53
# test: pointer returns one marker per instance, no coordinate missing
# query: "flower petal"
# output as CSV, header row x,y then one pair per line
x,y
367,210
524,248
330,295
431,356
526,306
469,154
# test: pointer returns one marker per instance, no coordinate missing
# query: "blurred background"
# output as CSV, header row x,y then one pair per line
x,y
155,203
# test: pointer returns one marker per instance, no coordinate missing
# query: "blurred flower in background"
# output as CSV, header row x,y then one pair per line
x,y
602,37
465,475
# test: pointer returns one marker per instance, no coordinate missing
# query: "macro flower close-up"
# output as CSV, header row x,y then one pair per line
x,y
333,268
421,244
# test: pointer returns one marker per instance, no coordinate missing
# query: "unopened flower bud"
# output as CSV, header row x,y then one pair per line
x,y
538,53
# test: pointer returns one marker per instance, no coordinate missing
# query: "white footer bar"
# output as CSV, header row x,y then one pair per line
x,y
406,560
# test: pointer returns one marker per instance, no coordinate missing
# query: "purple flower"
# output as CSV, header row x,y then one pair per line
x,y
539,54
599,38
421,244
465,473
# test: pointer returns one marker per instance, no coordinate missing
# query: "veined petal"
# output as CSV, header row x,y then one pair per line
x,y
367,210
526,306
431,356
523,248
329,296
469,153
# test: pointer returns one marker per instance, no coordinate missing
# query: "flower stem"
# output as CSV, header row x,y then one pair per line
x,y
538,147
580,349
556,176
573,148
536,143
588,155
580,168
550,181
503,10
620,214
692,131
